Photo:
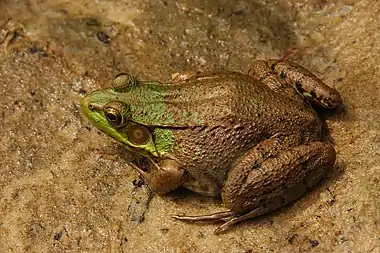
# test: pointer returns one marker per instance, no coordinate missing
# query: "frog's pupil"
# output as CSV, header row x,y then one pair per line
x,y
111,117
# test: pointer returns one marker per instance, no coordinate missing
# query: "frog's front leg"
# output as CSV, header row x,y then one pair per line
x,y
163,177
275,74
270,176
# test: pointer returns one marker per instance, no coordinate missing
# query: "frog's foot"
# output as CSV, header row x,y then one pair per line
x,y
208,217
229,218
277,74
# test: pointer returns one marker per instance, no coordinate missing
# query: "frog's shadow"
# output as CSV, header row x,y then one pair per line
x,y
339,113
183,195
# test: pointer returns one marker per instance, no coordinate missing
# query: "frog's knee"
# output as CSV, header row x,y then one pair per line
x,y
259,70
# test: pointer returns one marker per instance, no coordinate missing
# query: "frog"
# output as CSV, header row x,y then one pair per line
x,y
253,140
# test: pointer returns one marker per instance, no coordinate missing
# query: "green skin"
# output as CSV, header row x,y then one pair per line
x,y
252,139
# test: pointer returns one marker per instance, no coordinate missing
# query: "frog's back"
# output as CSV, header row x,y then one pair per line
x,y
217,99
209,100
214,99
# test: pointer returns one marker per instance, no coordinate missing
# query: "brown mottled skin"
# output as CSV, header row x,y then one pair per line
x,y
271,133
258,145
235,124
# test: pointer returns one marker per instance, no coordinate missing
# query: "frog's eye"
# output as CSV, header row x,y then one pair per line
x,y
124,82
116,113
113,116
138,135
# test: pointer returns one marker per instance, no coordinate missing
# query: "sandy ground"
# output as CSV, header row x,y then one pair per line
x,y
65,187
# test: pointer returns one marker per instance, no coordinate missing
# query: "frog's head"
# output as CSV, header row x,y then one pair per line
x,y
119,112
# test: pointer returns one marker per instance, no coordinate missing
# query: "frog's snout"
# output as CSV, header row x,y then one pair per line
x,y
90,103
84,102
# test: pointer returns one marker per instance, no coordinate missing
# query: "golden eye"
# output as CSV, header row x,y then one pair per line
x,y
113,116
116,113
138,135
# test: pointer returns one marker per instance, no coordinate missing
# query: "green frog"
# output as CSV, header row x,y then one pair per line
x,y
252,139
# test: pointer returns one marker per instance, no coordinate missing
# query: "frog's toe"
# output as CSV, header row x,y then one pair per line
x,y
236,218
209,217
229,218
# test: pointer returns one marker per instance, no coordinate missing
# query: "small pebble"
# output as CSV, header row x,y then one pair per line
x,y
103,37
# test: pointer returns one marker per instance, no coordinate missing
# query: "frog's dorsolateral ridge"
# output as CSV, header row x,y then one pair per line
x,y
254,139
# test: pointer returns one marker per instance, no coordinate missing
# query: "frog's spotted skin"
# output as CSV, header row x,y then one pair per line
x,y
252,139
307,84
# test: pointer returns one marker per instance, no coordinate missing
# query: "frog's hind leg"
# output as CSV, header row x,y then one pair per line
x,y
271,175
255,187
272,147
278,74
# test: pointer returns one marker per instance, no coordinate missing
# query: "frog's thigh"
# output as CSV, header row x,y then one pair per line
x,y
276,181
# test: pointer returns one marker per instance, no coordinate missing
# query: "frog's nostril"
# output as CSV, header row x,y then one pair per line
x,y
91,106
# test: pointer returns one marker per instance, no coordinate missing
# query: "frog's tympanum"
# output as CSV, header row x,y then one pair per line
x,y
254,140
